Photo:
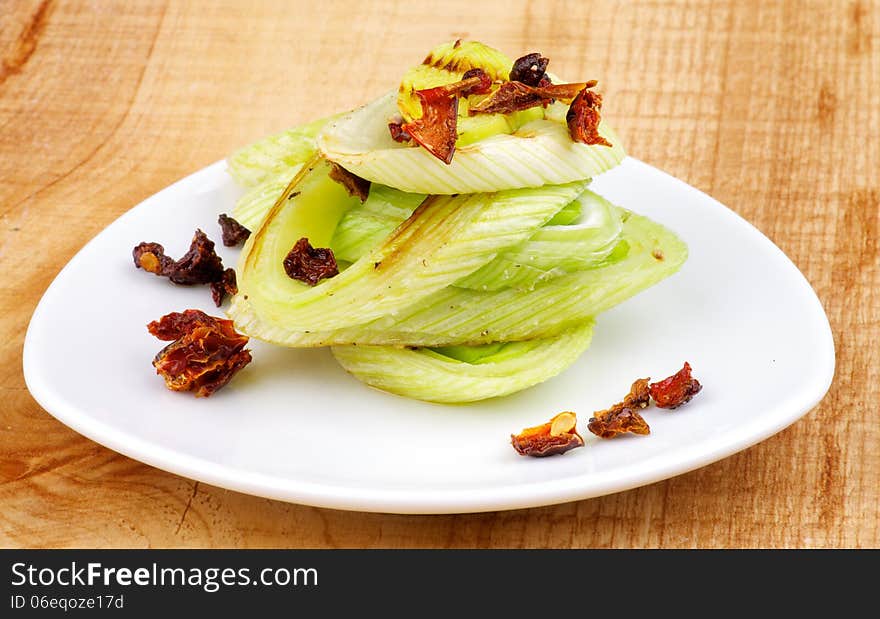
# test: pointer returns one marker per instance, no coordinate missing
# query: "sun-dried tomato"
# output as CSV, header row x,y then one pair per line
x,y
529,69
623,417
472,82
398,134
554,437
563,92
583,118
151,257
200,265
437,129
676,390
233,232
226,286
482,87
616,421
177,324
310,264
354,185
510,97
206,352
516,96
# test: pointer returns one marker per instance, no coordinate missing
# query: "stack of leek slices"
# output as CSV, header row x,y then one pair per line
x,y
458,282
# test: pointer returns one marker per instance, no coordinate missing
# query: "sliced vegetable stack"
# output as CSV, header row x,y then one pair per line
x,y
469,256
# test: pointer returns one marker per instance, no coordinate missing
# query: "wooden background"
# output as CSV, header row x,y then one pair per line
x,y
771,107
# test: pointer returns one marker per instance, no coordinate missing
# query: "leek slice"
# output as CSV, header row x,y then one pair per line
x,y
364,226
540,152
586,231
448,63
445,64
554,250
251,208
446,238
310,206
570,213
272,155
456,316
426,374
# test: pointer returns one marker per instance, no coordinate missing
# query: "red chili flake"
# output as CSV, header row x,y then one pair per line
x,y
200,265
309,264
516,96
233,232
354,185
554,437
623,417
583,118
676,390
529,69
226,286
206,352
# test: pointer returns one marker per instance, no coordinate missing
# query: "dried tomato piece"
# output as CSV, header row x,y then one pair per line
x,y
176,324
616,421
510,97
623,417
151,257
226,286
200,265
516,96
472,82
639,395
310,264
482,87
529,69
676,390
563,92
398,134
437,129
583,118
554,437
354,185
205,354
233,232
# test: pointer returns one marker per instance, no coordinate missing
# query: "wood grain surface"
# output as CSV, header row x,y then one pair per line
x,y
771,107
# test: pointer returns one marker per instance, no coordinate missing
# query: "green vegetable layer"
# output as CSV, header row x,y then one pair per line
x,y
457,282
438,376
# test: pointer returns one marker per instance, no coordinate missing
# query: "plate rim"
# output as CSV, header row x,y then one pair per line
x,y
439,501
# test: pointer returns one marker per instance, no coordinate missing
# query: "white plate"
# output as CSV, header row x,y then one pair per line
x,y
294,426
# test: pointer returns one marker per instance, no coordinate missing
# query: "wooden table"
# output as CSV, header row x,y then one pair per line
x,y
773,108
